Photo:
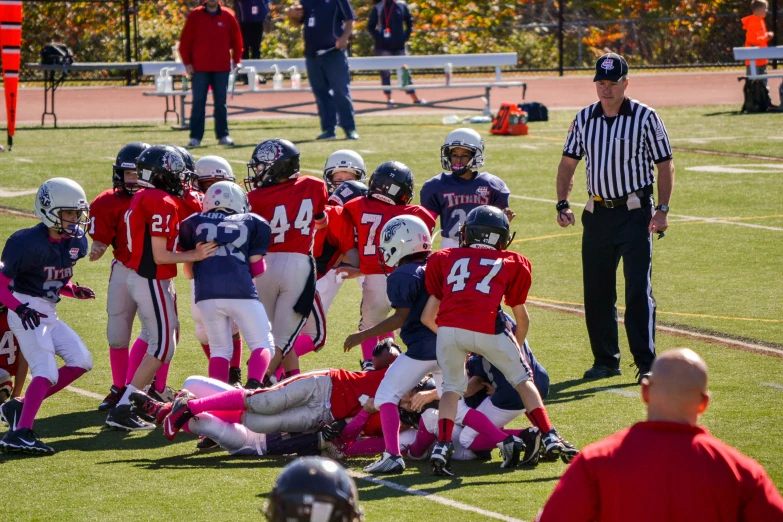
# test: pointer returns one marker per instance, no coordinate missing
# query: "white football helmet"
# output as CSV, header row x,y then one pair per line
x,y
226,195
56,195
344,160
212,168
403,236
467,138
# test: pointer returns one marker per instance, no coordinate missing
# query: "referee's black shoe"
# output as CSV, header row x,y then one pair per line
x,y
599,371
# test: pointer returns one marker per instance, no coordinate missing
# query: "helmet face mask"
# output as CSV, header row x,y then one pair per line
x,y
392,182
403,236
61,195
467,139
273,161
227,197
125,162
344,161
486,227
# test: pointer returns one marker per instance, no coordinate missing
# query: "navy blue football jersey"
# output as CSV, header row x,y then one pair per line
x,y
452,197
38,266
226,275
505,396
406,289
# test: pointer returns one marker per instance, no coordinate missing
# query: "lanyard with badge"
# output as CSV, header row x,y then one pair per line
x,y
387,16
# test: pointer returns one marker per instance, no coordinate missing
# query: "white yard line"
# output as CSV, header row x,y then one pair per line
x,y
431,496
621,393
721,221
773,385
8,193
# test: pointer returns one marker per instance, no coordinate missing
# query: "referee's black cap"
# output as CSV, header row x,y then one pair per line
x,y
610,66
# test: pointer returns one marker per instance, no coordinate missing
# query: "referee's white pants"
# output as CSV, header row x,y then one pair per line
x,y
401,377
250,317
51,338
375,302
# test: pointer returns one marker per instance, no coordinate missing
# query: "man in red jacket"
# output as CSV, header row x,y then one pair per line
x,y
667,468
210,41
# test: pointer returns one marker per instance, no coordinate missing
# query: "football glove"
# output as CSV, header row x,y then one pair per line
x,y
333,430
31,319
82,292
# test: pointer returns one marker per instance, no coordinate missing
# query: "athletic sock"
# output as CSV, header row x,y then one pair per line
x,y
478,421
205,348
424,440
125,399
354,428
218,368
33,397
236,355
280,373
161,376
445,427
368,446
118,359
137,352
390,424
228,400
540,419
368,345
292,373
303,345
258,363
65,376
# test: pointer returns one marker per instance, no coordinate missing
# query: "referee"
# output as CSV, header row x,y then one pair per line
x,y
621,140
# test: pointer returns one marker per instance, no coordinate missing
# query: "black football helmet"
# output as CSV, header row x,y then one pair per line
x,y
487,227
411,418
392,183
311,484
347,191
190,161
273,160
162,167
126,160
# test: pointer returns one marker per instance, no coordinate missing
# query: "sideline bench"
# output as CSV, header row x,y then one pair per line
x,y
759,53
374,63
52,81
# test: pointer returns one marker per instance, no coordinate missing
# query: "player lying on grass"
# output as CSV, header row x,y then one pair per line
x,y
13,367
38,263
466,287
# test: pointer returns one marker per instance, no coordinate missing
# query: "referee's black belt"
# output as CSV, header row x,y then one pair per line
x,y
622,200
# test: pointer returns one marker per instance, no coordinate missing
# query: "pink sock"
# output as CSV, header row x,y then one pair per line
x,y
205,347
228,416
258,364
118,358
279,373
33,397
484,443
218,368
479,422
228,400
137,352
354,428
424,440
369,446
66,375
390,423
292,373
303,345
368,346
162,375
236,356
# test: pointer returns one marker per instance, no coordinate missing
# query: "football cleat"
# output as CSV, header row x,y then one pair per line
x,y
532,439
165,395
24,440
329,448
367,366
111,400
440,459
235,376
569,453
551,445
146,407
388,463
180,414
205,443
254,384
10,412
510,449
123,418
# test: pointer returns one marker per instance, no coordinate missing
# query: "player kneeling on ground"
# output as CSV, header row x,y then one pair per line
x,y
466,287
39,262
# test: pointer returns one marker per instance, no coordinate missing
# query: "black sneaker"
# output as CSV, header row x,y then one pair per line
x,y
146,407
569,453
10,412
111,400
269,381
235,376
599,371
441,459
551,445
253,384
123,418
24,440
510,449
532,439
367,366
205,443
643,371
167,394
180,414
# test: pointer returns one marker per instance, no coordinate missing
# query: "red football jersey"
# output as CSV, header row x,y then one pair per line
x,y
333,241
471,282
107,223
192,202
368,216
348,387
9,348
152,212
290,208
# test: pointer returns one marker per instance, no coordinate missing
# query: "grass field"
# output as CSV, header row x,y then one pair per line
x,y
717,270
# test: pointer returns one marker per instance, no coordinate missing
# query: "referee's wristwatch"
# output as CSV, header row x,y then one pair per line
x,y
663,208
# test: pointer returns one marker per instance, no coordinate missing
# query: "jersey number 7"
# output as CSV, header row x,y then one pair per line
x,y
460,273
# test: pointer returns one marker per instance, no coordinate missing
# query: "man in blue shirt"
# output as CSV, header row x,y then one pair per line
x,y
327,29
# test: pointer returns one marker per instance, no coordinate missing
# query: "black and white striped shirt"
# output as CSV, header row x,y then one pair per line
x,y
620,151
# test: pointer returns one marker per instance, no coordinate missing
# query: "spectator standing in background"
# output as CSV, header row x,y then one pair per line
x,y
390,25
756,34
251,15
327,29
210,41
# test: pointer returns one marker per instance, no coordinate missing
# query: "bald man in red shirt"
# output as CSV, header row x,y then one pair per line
x,y
668,468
